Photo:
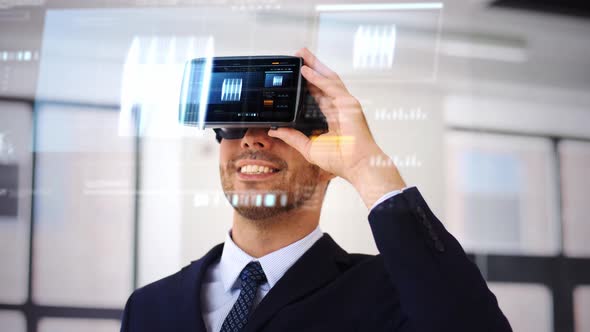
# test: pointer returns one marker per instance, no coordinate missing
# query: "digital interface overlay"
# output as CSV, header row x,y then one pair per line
x,y
221,90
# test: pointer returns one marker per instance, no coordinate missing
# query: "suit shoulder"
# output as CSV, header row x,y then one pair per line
x,y
364,262
163,288
173,287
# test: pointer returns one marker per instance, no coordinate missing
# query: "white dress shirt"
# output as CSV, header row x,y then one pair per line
x,y
221,286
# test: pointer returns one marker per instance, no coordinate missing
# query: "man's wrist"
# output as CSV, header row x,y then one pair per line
x,y
373,180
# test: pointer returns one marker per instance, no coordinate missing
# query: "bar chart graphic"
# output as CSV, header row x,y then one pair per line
x,y
374,46
277,81
231,89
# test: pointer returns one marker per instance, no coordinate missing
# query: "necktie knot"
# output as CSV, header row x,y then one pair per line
x,y
253,272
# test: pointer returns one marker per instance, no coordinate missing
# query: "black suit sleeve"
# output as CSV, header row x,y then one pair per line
x,y
440,288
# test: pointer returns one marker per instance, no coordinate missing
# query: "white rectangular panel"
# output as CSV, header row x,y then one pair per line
x,y
84,208
12,321
582,308
502,193
528,307
385,42
16,125
77,324
575,183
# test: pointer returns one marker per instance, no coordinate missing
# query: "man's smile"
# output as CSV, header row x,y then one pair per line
x,y
256,169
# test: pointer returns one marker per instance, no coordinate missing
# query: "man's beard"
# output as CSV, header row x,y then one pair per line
x,y
286,194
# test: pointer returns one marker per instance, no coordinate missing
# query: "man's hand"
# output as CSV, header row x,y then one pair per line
x,y
348,147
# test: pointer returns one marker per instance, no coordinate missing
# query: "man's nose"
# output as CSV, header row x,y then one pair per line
x,y
256,138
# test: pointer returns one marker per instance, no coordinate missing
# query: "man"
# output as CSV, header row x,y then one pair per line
x,y
276,271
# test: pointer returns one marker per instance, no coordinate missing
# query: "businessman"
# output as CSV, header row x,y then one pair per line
x,y
277,271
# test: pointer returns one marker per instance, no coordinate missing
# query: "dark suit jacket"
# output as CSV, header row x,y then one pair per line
x,y
420,281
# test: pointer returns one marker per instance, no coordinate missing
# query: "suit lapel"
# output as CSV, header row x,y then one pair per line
x,y
191,291
317,267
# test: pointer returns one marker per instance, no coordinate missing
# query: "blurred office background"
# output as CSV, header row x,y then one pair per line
x,y
484,105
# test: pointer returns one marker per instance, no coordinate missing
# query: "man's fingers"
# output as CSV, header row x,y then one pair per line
x,y
325,104
316,93
328,86
320,98
312,61
294,138
314,90
332,107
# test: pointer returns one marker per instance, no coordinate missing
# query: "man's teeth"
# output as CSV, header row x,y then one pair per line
x,y
256,169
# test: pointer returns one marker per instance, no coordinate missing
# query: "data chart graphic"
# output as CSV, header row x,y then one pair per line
x,y
231,89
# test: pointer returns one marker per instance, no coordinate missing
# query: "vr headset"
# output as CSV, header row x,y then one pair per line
x,y
232,94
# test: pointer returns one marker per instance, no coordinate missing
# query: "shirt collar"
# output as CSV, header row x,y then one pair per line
x,y
275,264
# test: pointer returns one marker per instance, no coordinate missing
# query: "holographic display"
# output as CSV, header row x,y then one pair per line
x,y
227,92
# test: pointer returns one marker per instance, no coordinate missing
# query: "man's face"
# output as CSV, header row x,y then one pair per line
x,y
263,176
